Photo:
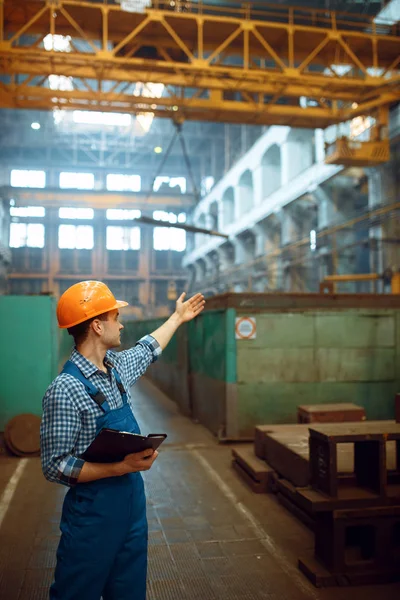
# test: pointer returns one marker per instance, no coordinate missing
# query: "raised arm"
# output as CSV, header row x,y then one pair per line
x,y
184,312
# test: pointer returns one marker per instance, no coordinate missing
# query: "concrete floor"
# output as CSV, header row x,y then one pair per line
x,y
210,537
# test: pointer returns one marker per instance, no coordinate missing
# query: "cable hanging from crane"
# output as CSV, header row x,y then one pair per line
x,y
189,228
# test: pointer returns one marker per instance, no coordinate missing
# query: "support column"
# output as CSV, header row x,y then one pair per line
x,y
146,258
319,146
342,252
225,256
258,185
52,250
261,236
200,268
273,242
289,226
326,208
5,253
4,176
243,250
53,178
382,189
297,154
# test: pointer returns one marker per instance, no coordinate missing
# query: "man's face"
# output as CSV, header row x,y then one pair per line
x,y
112,330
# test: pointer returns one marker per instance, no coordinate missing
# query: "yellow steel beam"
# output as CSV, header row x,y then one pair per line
x,y
94,199
351,277
279,55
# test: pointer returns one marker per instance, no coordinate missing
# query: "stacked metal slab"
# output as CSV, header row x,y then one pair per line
x,y
357,519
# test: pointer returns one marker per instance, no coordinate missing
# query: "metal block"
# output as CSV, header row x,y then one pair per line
x,y
358,540
261,431
370,465
323,465
287,496
255,472
287,453
330,413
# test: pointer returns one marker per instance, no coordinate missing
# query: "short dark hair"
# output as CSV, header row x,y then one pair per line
x,y
81,331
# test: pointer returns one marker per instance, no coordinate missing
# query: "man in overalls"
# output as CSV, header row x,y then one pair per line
x,y
103,545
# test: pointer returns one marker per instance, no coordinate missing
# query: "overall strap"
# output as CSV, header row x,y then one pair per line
x,y
120,386
70,368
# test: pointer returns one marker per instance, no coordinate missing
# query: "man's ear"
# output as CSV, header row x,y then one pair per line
x,y
97,326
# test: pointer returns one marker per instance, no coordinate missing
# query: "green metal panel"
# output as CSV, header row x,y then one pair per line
x,y
207,344
231,372
276,364
308,356
28,353
355,329
134,330
315,357
278,330
277,402
362,364
65,345
397,344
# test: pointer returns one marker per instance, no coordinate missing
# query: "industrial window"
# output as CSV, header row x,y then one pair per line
x,y
75,236
313,240
79,181
123,238
116,182
122,214
100,118
58,43
136,6
30,179
169,238
75,213
27,211
170,182
26,234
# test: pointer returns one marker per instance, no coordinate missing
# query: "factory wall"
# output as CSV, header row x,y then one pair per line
x,y
278,205
308,349
5,253
29,353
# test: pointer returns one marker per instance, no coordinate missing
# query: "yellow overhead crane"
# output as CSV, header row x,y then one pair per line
x,y
254,64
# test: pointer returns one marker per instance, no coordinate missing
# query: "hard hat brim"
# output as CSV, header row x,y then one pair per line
x,y
118,304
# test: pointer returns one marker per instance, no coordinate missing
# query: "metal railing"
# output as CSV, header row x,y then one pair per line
x,y
258,11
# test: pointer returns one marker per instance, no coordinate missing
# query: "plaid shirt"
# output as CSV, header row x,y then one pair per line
x,y
69,414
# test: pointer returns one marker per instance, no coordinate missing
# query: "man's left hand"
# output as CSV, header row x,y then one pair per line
x,y
186,311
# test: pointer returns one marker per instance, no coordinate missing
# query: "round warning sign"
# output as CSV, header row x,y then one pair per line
x,y
246,328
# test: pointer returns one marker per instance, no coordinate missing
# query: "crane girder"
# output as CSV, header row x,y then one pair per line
x,y
276,66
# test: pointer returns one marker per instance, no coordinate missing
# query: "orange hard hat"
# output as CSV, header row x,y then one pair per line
x,y
83,301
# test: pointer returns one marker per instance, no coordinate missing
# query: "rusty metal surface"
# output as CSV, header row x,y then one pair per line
x,y
330,413
22,434
201,547
284,302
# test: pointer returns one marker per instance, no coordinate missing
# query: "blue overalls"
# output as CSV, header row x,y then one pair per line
x,y
103,546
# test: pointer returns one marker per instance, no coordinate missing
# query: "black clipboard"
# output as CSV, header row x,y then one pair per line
x,y
111,445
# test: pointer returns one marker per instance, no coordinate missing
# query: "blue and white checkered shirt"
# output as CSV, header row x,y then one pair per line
x,y
69,414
